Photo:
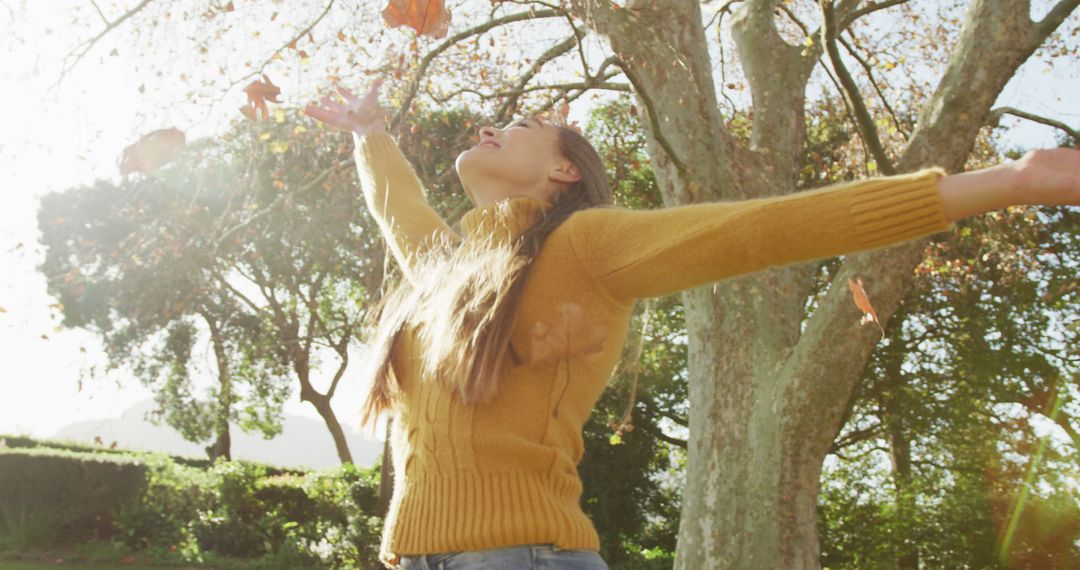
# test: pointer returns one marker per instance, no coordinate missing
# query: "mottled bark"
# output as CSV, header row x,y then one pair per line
x,y
766,401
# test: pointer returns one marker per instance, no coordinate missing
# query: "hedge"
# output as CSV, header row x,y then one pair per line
x,y
183,513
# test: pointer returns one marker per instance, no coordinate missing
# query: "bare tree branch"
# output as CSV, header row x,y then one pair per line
x,y
583,87
342,348
855,437
653,113
87,45
291,43
791,16
995,117
594,83
510,105
863,120
659,434
847,18
1054,18
724,9
425,62
870,75
100,13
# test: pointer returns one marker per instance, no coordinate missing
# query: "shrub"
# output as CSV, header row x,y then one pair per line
x,y
48,495
177,512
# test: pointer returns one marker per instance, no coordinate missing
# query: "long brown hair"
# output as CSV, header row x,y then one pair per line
x,y
464,297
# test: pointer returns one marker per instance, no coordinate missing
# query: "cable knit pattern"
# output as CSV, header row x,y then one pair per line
x,y
505,473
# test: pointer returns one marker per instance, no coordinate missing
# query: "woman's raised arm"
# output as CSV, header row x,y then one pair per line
x,y
646,253
393,193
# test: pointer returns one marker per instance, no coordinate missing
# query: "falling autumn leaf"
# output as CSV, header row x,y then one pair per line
x,y
862,301
566,335
152,150
258,93
428,17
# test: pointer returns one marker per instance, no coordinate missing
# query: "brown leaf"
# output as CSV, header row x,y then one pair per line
x,y
258,93
862,301
152,150
566,335
428,17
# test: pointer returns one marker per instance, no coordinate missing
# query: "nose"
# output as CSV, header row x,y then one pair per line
x,y
487,133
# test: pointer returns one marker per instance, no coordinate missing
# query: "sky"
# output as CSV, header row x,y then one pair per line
x,y
50,141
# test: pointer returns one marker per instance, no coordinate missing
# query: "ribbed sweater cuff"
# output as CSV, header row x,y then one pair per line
x,y
898,208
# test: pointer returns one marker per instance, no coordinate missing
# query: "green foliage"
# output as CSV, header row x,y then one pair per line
x,y
617,135
48,494
116,505
960,451
235,510
254,242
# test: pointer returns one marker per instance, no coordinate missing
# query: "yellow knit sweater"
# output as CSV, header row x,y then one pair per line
x,y
505,473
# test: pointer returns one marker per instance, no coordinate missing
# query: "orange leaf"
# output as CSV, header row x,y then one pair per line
x,y
258,93
566,335
862,301
428,17
152,150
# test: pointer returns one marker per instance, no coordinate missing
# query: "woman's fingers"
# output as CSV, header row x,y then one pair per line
x,y
373,93
328,117
348,95
316,113
331,104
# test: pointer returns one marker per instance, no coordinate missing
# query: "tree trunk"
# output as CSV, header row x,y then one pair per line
x,y
891,398
386,473
322,405
767,397
222,446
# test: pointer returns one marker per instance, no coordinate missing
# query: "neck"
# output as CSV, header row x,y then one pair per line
x,y
504,219
485,191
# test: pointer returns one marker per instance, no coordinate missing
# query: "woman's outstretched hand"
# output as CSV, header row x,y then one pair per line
x,y
1048,177
361,115
1043,177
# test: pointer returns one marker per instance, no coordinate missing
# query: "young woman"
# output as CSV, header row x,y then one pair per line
x,y
495,345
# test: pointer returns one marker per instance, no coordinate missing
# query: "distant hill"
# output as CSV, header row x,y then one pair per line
x,y
304,442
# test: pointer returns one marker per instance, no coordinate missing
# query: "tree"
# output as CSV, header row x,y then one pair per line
x,y
264,242
123,263
300,253
769,385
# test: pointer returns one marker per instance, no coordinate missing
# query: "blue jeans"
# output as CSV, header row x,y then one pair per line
x,y
522,557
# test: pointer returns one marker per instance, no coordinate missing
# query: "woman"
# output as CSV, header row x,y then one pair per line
x,y
496,344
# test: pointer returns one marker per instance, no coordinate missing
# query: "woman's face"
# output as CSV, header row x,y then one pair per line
x,y
521,159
